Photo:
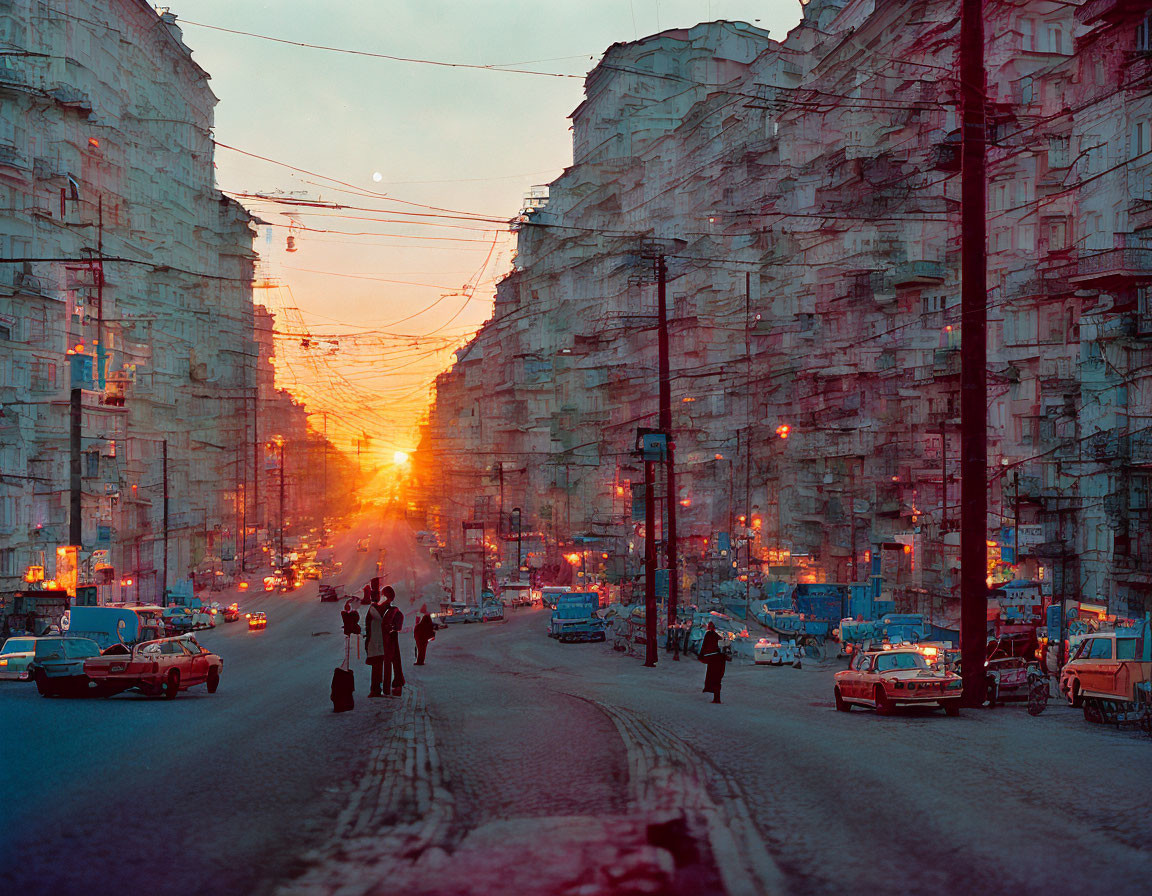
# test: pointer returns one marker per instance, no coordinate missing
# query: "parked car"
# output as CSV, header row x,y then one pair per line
x,y
1010,677
15,658
461,613
232,613
166,666
1107,666
58,665
179,620
492,611
257,620
885,679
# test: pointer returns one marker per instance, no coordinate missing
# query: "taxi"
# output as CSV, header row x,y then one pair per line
x,y
886,679
256,620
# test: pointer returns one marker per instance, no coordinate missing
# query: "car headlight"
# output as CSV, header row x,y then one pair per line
x,y
900,685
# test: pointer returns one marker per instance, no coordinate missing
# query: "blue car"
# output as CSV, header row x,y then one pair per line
x,y
58,665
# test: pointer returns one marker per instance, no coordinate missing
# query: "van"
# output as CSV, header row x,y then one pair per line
x,y
116,625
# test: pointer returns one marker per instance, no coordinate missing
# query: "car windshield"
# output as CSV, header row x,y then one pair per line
x,y
18,645
50,649
889,662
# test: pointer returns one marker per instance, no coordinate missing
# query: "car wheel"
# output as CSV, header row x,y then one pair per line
x,y
172,685
952,707
42,687
213,680
883,705
841,705
991,691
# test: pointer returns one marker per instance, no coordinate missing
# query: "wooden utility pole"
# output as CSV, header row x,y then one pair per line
x,y
973,357
164,573
76,503
649,564
672,498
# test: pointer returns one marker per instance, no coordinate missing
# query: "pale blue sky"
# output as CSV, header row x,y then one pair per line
x,y
455,138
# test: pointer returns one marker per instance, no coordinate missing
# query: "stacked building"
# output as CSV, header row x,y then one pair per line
x,y
804,195
126,275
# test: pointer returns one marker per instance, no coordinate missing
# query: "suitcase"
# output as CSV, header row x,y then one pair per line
x,y
343,688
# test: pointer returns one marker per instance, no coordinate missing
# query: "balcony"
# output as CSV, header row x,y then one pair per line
x,y
918,273
1114,267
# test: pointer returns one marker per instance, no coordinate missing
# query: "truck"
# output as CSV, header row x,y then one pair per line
x,y
117,625
32,612
574,617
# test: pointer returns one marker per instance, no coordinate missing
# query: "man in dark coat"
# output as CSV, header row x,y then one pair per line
x,y
423,632
393,621
713,657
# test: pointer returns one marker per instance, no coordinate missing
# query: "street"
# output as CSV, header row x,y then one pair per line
x,y
517,762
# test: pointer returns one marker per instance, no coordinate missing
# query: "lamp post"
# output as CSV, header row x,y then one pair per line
x,y
519,533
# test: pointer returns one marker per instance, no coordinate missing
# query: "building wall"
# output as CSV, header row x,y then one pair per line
x,y
106,174
806,193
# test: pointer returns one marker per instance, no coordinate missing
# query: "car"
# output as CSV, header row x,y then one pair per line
x,y
311,571
492,611
1010,677
165,666
15,658
438,621
58,665
461,613
886,679
362,545
272,582
232,613
257,620
1107,666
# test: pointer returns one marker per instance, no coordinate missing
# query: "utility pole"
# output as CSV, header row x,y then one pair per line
x,y
943,478
242,516
500,528
281,564
75,504
748,445
1016,519
256,453
100,292
164,573
519,530
649,563
325,496
973,367
672,498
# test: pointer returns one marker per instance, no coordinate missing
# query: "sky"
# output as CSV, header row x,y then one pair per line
x,y
374,298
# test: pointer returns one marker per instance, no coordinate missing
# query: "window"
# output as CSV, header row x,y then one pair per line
x,y
7,561
1144,34
1056,230
1101,649
1053,39
1140,140
1125,648
1058,152
1027,34
1027,90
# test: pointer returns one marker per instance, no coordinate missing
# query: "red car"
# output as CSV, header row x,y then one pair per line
x,y
885,679
165,666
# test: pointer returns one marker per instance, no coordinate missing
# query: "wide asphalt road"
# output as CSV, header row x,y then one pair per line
x,y
208,793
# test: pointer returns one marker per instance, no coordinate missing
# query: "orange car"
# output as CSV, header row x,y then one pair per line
x,y
885,679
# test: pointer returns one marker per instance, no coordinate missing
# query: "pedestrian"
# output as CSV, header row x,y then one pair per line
x,y
377,645
393,622
423,632
714,658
